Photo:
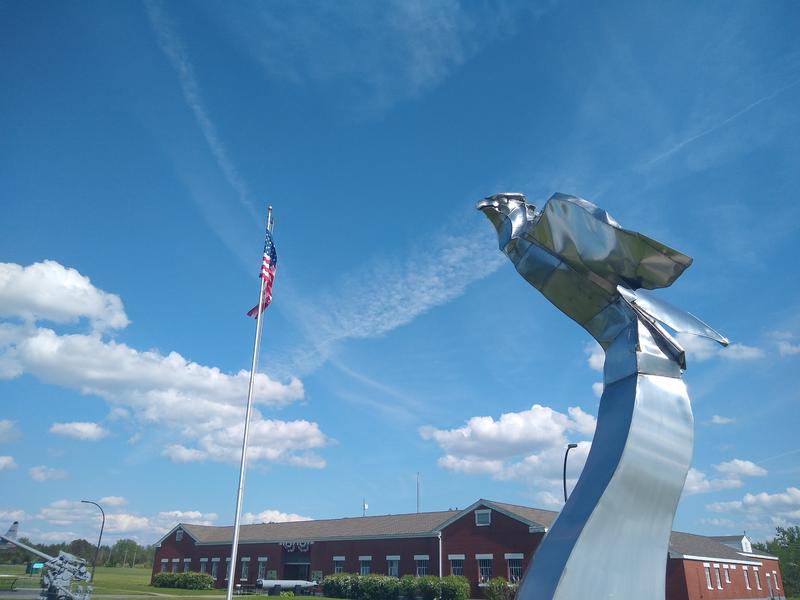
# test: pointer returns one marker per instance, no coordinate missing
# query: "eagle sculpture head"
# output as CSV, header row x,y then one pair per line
x,y
510,214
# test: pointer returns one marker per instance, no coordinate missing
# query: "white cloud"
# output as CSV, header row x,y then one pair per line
x,y
784,342
527,445
597,388
125,522
8,431
80,519
720,420
7,463
11,515
377,54
80,430
717,522
698,483
786,348
732,472
393,292
779,509
45,473
201,404
117,413
547,499
272,516
290,442
166,520
50,291
182,454
112,501
740,468
701,349
595,354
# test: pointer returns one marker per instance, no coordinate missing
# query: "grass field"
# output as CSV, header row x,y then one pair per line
x,y
111,580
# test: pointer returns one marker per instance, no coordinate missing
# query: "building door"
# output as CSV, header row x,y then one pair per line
x,y
296,571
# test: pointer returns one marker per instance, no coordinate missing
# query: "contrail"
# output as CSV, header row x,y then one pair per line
x,y
175,52
734,116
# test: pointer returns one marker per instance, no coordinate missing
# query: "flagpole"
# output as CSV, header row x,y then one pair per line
x,y
243,464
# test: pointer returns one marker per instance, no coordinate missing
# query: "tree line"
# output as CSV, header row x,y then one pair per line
x,y
786,546
124,553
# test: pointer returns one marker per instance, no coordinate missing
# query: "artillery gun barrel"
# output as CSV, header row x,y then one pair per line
x,y
26,547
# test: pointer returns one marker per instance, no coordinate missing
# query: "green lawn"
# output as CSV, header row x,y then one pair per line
x,y
111,580
116,580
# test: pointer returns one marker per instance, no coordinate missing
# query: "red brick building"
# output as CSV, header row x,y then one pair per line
x,y
485,540
720,567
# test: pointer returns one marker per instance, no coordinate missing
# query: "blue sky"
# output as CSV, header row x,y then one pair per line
x,y
141,143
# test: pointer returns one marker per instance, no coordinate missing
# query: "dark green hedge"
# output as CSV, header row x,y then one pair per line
x,y
187,581
383,587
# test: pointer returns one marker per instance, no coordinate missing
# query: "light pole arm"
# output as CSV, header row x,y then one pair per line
x,y
564,478
99,539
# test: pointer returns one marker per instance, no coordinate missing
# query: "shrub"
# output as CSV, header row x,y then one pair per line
x,y
455,587
287,594
408,586
499,589
195,581
336,585
428,587
188,581
164,580
378,587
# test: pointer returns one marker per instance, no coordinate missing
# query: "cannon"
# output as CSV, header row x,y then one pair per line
x,y
65,577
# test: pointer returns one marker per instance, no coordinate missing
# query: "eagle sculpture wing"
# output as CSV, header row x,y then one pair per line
x,y
590,240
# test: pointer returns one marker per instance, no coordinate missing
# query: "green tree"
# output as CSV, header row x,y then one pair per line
x,y
786,546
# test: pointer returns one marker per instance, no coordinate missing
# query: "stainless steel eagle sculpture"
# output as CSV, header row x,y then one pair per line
x,y
612,536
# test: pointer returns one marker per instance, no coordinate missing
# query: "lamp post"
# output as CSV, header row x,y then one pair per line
x,y
569,447
99,539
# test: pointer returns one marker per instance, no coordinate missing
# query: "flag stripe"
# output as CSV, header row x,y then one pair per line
x,y
269,263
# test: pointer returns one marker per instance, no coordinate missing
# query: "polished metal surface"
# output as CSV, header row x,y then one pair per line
x,y
612,536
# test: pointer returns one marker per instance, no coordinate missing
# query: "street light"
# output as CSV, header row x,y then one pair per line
x,y
102,526
569,447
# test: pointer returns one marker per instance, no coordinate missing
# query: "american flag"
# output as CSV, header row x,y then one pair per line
x,y
268,265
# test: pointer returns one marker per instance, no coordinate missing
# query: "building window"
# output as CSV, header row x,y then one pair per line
x,y
484,567
758,578
483,517
262,567
717,577
775,579
514,570
245,568
215,568
421,564
227,567
187,565
746,577
175,562
338,564
179,535
707,569
364,563
204,565
727,573
456,566
393,566
164,562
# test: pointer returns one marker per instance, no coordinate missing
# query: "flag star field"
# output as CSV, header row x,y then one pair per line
x,y
143,141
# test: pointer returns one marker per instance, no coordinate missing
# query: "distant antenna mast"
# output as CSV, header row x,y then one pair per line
x,y
417,491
